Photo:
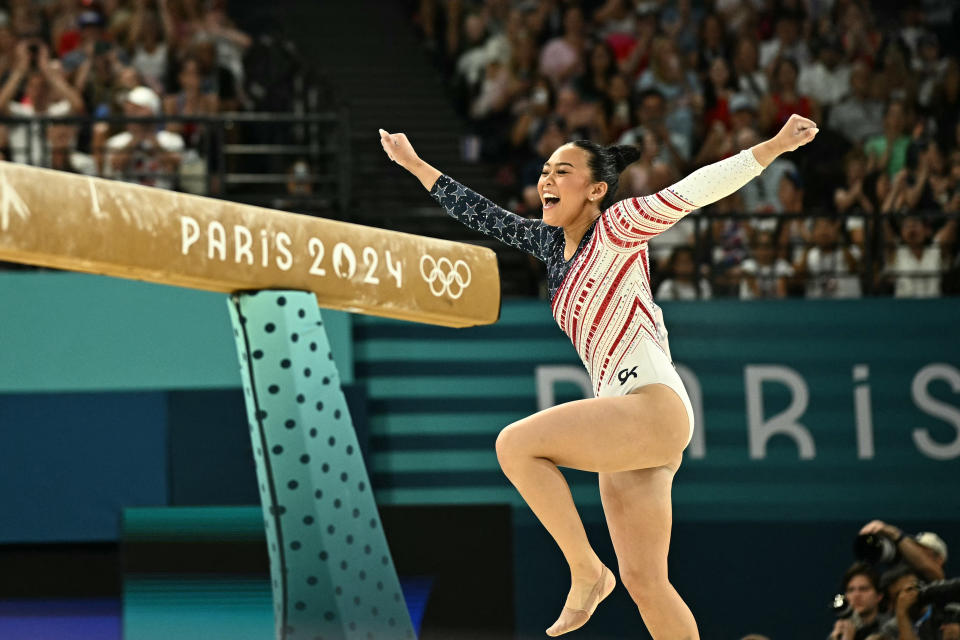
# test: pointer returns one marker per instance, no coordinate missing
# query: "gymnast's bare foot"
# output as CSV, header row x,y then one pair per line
x,y
585,594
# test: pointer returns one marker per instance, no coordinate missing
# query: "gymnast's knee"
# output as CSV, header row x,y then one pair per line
x,y
512,446
645,587
507,445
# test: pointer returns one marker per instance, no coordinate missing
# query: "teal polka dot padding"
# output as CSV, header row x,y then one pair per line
x,y
332,573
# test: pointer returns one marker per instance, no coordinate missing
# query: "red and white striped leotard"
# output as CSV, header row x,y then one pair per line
x,y
602,297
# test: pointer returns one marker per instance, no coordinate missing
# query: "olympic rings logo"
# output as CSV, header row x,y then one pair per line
x,y
444,276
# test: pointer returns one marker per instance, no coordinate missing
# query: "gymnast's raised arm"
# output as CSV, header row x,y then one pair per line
x,y
647,216
467,206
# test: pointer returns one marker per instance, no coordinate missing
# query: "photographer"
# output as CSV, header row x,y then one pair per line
x,y
924,612
925,552
862,616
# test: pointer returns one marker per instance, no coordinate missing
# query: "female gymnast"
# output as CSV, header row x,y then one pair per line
x,y
633,432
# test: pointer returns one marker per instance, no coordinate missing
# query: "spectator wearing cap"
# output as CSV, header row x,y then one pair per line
x,y
861,587
926,552
46,92
827,79
143,154
90,23
858,116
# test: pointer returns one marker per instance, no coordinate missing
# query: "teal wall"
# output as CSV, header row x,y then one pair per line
x,y
77,332
795,399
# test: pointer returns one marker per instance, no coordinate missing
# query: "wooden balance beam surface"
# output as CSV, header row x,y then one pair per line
x,y
67,221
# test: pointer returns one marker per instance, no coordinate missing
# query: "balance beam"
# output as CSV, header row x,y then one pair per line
x,y
78,223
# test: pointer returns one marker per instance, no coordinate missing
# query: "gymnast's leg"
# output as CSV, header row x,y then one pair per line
x,y
647,428
639,515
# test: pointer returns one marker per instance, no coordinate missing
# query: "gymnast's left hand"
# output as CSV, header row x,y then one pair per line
x,y
797,132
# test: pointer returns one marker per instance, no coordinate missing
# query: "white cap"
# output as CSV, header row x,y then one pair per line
x,y
933,542
145,97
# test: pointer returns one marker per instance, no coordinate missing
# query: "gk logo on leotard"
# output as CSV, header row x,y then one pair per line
x,y
624,374
444,276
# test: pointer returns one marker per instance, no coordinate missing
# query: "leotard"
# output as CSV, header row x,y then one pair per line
x,y
601,296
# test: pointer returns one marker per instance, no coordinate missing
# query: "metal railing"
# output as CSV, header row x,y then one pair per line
x,y
284,160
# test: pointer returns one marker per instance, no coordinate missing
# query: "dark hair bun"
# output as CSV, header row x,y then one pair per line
x,y
624,155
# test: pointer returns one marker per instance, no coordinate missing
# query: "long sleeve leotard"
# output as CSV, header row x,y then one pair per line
x,y
601,297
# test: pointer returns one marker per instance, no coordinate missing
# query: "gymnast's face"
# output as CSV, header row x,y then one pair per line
x,y
566,188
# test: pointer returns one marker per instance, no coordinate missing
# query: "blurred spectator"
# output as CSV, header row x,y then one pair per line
x,y
150,54
683,282
717,92
764,275
91,34
786,42
914,266
894,77
229,41
594,84
214,77
562,57
889,150
192,99
858,116
767,194
651,115
723,141
533,112
751,80
649,174
62,142
200,157
855,199
729,239
828,268
785,99
46,92
827,79
617,107
712,44
143,154
678,87
861,587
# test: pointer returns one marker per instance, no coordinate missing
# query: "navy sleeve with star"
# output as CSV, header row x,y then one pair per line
x,y
480,214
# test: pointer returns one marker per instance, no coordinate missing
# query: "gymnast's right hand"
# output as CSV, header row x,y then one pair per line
x,y
398,149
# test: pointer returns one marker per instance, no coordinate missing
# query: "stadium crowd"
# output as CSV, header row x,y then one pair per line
x,y
870,208
100,59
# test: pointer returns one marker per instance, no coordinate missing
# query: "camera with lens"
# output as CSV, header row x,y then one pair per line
x,y
841,607
874,548
940,594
